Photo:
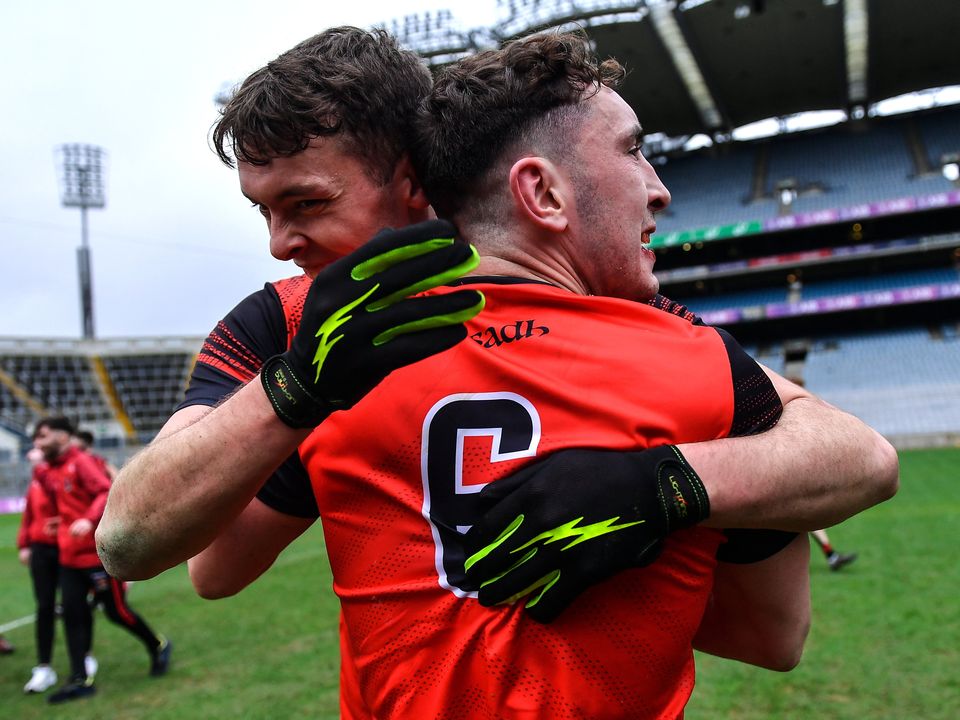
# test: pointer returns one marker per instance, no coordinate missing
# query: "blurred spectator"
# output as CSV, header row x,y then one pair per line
x,y
37,545
83,439
79,487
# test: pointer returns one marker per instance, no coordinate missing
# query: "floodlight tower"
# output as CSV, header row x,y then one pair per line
x,y
82,184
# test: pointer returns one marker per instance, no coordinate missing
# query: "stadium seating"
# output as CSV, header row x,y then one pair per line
x,y
888,281
900,382
143,388
59,383
839,167
815,290
747,298
941,133
149,387
710,191
850,167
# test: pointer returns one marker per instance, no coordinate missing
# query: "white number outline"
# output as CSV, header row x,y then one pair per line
x,y
495,456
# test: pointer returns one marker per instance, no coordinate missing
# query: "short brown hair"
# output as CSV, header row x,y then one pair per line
x,y
485,102
344,80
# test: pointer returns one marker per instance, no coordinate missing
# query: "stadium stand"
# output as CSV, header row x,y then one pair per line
x,y
840,167
887,281
123,390
710,189
940,132
148,387
812,286
903,383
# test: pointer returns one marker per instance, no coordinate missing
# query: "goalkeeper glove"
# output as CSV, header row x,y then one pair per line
x,y
359,323
557,527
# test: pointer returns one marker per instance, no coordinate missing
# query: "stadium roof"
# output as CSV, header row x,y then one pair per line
x,y
709,66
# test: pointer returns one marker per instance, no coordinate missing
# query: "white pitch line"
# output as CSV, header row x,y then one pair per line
x,y
14,624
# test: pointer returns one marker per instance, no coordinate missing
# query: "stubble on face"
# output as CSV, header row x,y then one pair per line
x,y
613,261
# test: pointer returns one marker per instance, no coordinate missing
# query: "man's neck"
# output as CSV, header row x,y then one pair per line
x,y
530,269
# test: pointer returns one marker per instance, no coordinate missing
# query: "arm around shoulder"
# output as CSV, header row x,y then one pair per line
x,y
244,550
815,468
759,613
175,496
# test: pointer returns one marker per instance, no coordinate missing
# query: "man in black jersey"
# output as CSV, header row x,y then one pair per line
x,y
320,138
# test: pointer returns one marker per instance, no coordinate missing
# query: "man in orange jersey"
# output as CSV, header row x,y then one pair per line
x,y
568,354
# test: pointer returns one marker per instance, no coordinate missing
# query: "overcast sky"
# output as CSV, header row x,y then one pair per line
x,y
177,245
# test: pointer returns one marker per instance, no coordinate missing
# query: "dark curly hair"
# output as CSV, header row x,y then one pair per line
x,y
53,422
344,80
524,92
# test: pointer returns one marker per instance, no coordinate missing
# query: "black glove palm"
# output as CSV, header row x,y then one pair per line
x,y
580,516
359,323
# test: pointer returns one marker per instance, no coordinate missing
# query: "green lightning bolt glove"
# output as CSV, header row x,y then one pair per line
x,y
559,526
360,323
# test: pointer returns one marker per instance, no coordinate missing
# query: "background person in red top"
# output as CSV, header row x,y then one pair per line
x,y
83,439
79,488
37,544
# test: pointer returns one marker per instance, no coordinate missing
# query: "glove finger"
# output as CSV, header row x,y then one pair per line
x,y
501,528
415,315
527,573
390,248
443,264
381,247
544,607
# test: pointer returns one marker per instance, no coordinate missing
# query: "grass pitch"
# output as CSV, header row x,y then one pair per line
x,y
883,643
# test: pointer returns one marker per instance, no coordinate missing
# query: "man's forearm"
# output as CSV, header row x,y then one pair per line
x,y
815,468
173,498
243,550
759,613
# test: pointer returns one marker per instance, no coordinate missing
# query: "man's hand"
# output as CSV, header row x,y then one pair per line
x,y
24,556
359,323
578,517
81,527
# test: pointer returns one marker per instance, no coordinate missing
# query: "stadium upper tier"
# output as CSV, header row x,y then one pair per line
x,y
796,295
845,166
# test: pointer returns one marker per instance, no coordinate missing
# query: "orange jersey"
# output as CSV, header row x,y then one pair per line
x,y
396,480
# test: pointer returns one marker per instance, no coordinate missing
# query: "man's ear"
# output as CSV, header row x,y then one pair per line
x,y
541,192
413,193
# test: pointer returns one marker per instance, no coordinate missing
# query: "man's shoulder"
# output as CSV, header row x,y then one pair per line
x,y
661,302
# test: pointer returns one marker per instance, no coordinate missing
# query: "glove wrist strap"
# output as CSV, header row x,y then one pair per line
x,y
291,401
684,496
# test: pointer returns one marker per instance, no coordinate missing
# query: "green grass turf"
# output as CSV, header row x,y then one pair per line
x,y
270,652
883,643
886,629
